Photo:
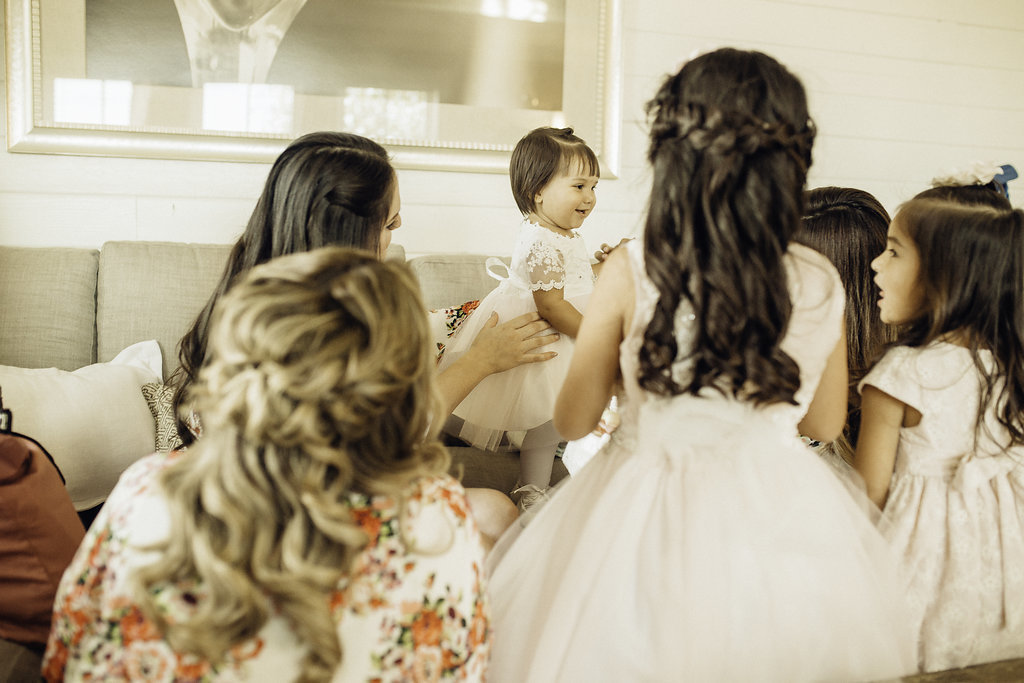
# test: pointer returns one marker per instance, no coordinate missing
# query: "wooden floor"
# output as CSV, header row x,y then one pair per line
x,y
993,672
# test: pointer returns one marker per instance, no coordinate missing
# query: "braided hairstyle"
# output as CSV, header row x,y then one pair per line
x,y
324,189
730,145
318,390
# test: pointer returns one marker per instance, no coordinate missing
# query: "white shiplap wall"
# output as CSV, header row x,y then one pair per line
x,y
900,89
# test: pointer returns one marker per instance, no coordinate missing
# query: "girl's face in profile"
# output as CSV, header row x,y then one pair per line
x,y
393,221
898,270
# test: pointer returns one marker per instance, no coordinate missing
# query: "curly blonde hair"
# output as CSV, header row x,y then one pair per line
x,y
318,384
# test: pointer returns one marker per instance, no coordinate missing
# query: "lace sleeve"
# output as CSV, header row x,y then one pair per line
x,y
545,267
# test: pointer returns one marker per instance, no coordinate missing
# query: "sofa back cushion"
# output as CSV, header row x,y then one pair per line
x,y
452,279
153,290
47,307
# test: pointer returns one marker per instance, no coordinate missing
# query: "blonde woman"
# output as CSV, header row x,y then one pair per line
x,y
312,533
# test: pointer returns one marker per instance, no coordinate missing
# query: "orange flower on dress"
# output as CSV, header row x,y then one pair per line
x,y
150,662
426,629
55,665
135,626
368,522
456,503
191,668
426,667
477,630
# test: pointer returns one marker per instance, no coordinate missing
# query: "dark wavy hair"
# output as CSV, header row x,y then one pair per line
x,y
849,226
969,195
972,267
325,189
730,145
542,153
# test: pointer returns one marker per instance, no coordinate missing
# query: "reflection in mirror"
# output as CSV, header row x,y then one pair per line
x,y
248,107
90,100
456,80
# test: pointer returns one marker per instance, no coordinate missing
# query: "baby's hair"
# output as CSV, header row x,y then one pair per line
x,y
968,195
972,267
542,154
324,189
730,147
318,387
849,226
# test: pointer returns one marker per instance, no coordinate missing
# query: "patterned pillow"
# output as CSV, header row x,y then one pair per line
x,y
158,396
445,321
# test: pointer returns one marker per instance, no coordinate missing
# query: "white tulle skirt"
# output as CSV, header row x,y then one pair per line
x,y
706,547
518,399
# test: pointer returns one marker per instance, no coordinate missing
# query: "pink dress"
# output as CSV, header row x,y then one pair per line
x,y
955,511
706,542
413,607
524,397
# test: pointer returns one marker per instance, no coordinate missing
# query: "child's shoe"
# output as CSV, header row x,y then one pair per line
x,y
528,495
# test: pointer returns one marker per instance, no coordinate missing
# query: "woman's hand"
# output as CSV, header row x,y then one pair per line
x,y
511,344
497,347
602,253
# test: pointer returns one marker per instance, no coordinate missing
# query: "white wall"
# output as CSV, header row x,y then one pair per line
x,y
900,89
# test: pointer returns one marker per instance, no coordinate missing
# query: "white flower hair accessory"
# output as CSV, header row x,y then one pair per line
x,y
978,173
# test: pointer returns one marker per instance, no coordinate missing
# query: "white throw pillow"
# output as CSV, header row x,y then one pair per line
x,y
93,421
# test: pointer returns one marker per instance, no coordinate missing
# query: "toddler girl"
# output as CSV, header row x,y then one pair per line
x,y
942,426
553,176
705,542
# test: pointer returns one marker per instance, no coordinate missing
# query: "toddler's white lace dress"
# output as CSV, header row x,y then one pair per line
x,y
955,510
522,398
706,542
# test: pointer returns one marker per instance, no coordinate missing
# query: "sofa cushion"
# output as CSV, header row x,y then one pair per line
x,y
93,421
47,307
451,279
153,290
160,399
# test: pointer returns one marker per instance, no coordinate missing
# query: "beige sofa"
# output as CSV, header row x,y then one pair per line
x,y
71,366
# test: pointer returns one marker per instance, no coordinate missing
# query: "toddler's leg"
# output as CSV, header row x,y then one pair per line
x,y
537,455
536,458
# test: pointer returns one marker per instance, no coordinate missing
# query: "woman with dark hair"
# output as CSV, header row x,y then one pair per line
x,y
339,189
848,226
705,542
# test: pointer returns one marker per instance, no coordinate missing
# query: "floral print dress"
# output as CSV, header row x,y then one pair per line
x,y
402,614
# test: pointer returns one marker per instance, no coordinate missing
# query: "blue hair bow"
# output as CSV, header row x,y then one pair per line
x,y
1006,174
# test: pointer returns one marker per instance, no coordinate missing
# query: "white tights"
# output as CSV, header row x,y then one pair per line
x,y
537,455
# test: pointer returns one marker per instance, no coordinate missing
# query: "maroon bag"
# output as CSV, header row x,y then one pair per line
x,y
39,534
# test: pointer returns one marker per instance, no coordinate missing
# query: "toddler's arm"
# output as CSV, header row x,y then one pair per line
x,y
881,416
553,307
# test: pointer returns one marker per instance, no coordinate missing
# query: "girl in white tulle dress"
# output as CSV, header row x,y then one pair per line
x,y
553,174
942,428
706,542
